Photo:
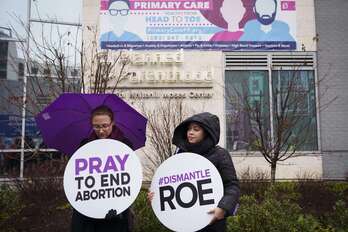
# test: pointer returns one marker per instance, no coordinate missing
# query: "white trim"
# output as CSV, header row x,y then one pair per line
x,y
270,91
317,102
258,154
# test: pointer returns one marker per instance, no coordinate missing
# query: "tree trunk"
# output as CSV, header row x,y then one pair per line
x,y
273,171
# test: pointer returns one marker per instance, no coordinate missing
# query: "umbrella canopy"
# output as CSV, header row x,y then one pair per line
x,y
67,120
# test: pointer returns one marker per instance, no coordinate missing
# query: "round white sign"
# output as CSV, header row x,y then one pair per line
x,y
102,175
186,187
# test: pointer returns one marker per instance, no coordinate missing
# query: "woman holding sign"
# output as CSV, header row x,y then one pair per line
x,y
102,121
200,134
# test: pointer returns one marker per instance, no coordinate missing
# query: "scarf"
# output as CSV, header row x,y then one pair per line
x,y
203,147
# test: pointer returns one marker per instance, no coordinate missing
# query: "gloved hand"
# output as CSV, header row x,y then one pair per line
x,y
112,215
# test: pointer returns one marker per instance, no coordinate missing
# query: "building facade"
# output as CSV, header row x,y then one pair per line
x,y
221,76
11,65
332,69
43,85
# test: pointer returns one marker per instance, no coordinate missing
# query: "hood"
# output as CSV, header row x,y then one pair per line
x,y
208,121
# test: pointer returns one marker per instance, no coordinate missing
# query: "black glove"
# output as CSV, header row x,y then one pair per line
x,y
112,215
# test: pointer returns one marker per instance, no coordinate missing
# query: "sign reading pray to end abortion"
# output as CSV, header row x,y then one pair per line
x,y
102,176
186,187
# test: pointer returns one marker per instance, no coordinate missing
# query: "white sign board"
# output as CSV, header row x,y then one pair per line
x,y
102,175
186,187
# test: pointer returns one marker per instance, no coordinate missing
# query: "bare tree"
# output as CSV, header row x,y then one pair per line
x,y
102,70
50,74
58,63
293,125
162,120
49,71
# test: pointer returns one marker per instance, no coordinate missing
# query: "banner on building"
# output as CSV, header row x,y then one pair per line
x,y
102,178
11,131
186,187
198,24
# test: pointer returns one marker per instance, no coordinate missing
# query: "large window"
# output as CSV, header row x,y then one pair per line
x,y
295,107
245,90
250,119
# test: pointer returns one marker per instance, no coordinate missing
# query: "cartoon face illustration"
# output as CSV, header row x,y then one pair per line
x,y
118,11
265,11
232,11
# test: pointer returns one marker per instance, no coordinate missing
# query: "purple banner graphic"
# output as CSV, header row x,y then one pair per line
x,y
172,5
201,45
288,5
198,24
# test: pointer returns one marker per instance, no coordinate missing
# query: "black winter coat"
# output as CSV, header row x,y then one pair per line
x,y
215,154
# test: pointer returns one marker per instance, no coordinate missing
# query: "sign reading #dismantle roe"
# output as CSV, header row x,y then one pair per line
x,y
186,186
102,175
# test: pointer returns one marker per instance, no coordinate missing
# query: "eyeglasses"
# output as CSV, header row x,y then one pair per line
x,y
102,126
115,12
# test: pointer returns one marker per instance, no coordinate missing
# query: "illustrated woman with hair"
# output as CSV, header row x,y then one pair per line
x,y
232,11
117,14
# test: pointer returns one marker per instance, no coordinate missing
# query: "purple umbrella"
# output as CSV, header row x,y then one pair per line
x,y
66,121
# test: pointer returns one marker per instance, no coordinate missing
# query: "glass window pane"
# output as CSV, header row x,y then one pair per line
x,y
295,122
3,59
246,94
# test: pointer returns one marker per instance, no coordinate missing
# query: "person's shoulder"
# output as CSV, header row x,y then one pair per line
x,y
281,31
216,36
127,142
252,24
227,36
221,149
251,31
130,36
280,25
221,158
106,36
85,141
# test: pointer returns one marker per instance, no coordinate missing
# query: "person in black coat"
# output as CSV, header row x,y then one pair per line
x,y
103,127
200,134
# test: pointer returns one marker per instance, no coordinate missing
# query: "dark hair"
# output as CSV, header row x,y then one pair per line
x,y
201,125
112,1
103,110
